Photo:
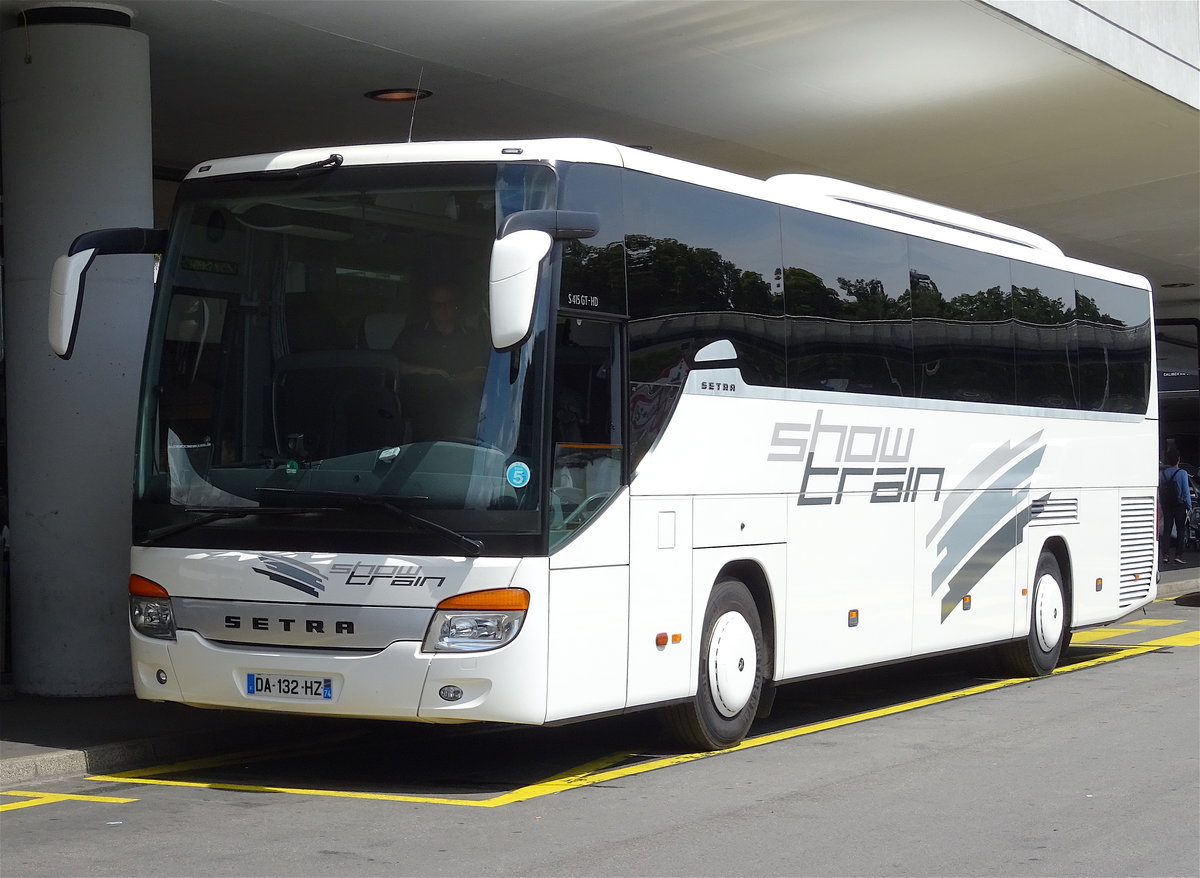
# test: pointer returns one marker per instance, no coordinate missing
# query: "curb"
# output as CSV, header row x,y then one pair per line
x,y
106,758
55,763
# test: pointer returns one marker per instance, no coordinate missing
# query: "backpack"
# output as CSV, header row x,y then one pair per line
x,y
1169,488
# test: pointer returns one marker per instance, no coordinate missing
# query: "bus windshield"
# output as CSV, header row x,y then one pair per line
x,y
320,341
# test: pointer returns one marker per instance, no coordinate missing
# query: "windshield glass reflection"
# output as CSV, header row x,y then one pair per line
x,y
329,337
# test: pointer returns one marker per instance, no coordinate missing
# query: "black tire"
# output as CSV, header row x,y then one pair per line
x,y
730,673
1037,654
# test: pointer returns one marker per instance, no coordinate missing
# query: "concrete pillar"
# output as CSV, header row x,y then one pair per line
x,y
76,146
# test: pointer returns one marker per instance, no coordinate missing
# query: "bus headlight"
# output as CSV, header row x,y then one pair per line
x,y
152,617
477,620
150,609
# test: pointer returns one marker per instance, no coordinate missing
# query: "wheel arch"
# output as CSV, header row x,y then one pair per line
x,y
1047,633
1057,546
754,577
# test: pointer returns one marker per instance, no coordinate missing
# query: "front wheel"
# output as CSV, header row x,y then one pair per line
x,y
1049,625
730,673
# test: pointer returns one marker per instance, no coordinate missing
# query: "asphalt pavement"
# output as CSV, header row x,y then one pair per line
x,y
46,738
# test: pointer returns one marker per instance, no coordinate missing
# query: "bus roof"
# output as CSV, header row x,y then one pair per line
x,y
829,196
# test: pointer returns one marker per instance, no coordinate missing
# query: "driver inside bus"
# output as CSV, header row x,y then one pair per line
x,y
443,361
442,345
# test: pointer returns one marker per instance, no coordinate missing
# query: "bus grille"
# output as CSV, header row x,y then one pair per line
x,y
1137,548
1047,511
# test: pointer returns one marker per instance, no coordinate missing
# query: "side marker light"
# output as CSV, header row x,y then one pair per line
x,y
1099,585
660,639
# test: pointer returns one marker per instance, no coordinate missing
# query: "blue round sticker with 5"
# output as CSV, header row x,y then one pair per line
x,y
517,474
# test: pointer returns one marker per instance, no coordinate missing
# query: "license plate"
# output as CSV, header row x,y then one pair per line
x,y
289,686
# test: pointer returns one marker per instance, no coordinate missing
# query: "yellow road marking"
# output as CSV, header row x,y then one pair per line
x,y
1189,638
599,770
1092,635
50,798
568,779
1154,623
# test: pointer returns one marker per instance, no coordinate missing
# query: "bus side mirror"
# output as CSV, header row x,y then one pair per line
x,y
512,284
522,242
66,297
66,280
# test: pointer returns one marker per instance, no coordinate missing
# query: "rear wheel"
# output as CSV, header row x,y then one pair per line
x,y
1049,625
730,673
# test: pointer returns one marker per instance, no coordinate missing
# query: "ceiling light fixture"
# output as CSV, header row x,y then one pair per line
x,y
398,94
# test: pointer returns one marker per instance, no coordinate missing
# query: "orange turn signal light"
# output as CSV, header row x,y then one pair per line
x,y
660,639
488,599
146,588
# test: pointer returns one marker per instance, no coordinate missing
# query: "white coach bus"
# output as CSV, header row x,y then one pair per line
x,y
536,431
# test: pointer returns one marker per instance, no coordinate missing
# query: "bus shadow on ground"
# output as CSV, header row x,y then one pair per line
x,y
459,762
842,695
481,762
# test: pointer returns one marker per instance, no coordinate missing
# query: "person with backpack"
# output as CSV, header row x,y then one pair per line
x,y
1175,497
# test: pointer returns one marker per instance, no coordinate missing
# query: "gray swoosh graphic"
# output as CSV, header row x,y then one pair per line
x,y
987,556
979,476
983,513
293,573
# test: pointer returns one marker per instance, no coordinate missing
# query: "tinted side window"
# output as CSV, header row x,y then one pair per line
x,y
593,269
848,317
702,265
586,424
962,323
1044,333
1114,345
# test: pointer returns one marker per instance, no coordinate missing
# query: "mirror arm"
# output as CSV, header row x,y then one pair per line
x,y
108,242
561,225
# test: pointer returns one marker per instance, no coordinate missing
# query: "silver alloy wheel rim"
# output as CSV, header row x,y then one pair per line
x,y
732,663
1048,613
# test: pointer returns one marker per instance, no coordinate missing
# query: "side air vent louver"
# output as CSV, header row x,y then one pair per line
x,y
1137,548
1054,510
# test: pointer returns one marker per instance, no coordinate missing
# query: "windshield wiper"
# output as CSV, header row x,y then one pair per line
x,y
218,513
318,167
470,547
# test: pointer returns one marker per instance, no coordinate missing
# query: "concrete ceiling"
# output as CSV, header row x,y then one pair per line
x,y
949,101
